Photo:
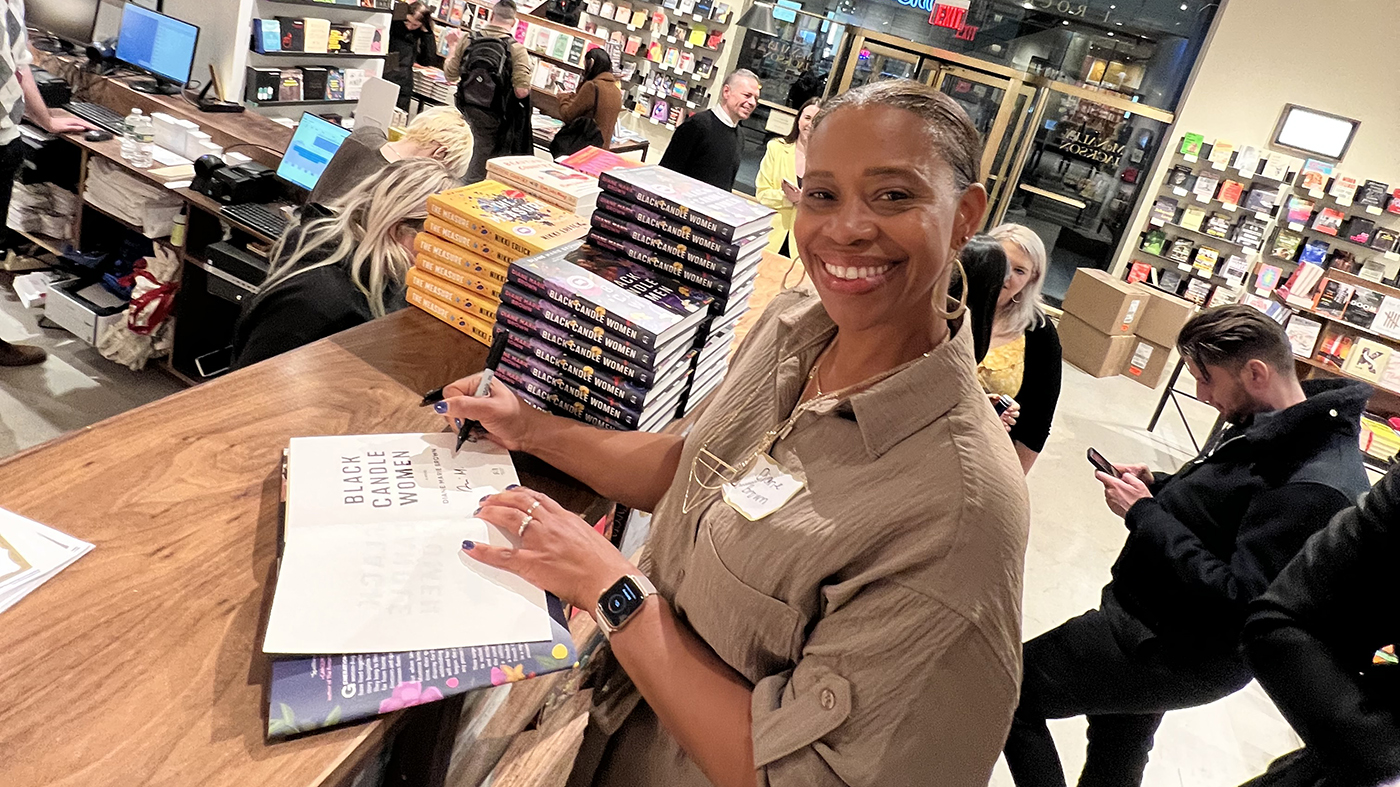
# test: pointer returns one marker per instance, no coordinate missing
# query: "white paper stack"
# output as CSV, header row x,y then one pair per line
x,y
30,555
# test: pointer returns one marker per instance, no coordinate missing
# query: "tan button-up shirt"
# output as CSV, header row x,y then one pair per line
x,y
878,612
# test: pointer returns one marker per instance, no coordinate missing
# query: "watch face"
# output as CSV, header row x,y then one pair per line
x,y
620,601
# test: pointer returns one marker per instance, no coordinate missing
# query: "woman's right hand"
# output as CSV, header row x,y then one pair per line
x,y
1140,472
508,421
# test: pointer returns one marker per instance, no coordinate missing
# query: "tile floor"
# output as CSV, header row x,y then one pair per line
x,y
1074,537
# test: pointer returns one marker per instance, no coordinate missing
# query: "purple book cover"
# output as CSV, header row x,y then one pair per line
x,y
720,213
680,235
316,692
521,381
627,299
551,312
512,319
668,266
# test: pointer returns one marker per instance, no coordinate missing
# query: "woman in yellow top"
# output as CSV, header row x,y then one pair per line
x,y
1023,361
780,176
849,613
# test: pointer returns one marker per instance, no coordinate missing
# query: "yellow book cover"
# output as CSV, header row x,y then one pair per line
x,y
480,285
522,223
431,245
452,295
485,246
463,321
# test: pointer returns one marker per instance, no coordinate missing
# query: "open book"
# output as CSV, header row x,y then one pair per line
x,y
371,548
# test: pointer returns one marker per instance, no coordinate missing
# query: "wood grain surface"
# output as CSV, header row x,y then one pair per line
x,y
141,663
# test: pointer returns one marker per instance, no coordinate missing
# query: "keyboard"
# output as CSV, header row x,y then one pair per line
x,y
98,115
267,220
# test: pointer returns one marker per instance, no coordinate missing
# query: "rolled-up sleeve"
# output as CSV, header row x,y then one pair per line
x,y
892,688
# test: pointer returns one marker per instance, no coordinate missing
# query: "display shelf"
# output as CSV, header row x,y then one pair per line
x,y
319,55
1323,235
1198,233
1343,324
46,242
336,6
114,217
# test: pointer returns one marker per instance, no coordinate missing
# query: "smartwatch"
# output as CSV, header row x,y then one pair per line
x,y
620,602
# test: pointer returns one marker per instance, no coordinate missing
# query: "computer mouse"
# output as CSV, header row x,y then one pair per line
x,y
97,135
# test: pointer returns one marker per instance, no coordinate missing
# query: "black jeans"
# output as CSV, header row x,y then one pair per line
x,y
1079,669
486,141
11,159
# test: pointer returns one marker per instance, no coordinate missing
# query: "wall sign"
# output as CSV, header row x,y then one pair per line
x,y
949,13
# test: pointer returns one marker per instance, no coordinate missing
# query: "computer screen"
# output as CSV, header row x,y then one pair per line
x,y
310,150
157,43
70,20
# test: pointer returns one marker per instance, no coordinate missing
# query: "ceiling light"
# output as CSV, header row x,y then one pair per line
x,y
1110,34
1065,22
1028,5
1183,6
1120,24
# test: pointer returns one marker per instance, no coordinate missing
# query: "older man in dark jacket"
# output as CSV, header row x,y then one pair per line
x,y
1318,643
1202,544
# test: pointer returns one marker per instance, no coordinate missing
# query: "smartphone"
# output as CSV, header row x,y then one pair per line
x,y
1102,465
1003,404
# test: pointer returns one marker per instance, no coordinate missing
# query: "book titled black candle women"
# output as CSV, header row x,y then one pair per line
x,y
715,211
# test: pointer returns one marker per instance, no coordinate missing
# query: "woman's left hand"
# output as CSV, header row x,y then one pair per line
x,y
1010,415
558,551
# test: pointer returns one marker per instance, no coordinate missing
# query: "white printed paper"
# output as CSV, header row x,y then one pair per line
x,y
765,488
370,560
30,555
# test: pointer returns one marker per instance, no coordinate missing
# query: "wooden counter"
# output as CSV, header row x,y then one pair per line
x,y
141,663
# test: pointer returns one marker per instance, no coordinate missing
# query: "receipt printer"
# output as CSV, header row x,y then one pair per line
x,y
247,182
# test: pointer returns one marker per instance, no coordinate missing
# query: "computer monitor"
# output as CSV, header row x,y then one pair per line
x,y
67,21
315,141
160,45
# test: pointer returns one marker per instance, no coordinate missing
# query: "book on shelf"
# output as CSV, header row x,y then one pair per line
x,y
1192,217
715,211
1268,277
1192,144
518,222
267,36
1170,280
1343,188
1230,192
1299,288
1387,319
1154,242
1179,177
1329,221
1250,232
1334,347
1206,260
639,17
293,33
1216,225
1140,271
697,35
1332,301
1270,308
1197,291
1367,360
1278,166
1341,260
1247,161
1220,153
660,111
1373,270
1235,269
1384,240
622,13
1314,251
1181,250
1363,307
342,37
290,85
457,13
1359,230
1205,186
624,298
1372,194
1302,334
1392,204
1299,209
355,83
557,184
1163,211
1260,199
1223,296
1315,175
385,512
317,35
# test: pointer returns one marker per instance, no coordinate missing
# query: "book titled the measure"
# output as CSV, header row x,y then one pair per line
x,y
627,299
718,212
555,183
522,223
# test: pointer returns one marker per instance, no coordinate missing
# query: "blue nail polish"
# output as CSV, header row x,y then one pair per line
x,y
512,486
440,408
477,511
468,545
458,422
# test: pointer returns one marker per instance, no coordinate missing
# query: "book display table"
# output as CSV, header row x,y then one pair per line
x,y
142,662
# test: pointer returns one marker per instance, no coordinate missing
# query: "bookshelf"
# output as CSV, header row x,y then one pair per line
x,y
375,13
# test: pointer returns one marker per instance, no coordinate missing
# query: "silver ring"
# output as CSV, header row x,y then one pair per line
x,y
525,524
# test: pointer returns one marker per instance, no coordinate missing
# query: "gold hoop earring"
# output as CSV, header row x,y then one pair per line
x,y
962,304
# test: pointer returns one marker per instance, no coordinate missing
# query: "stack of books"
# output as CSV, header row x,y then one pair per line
x,y
468,243
598,338
705,237
558,185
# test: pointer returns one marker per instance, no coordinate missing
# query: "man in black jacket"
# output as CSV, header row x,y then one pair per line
x,y
710,145
1202,544
1315,639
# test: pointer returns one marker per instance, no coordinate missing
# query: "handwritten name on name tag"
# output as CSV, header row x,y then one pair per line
x,y
763,490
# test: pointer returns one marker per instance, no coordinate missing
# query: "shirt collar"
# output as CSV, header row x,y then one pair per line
x,y
895,408
723,116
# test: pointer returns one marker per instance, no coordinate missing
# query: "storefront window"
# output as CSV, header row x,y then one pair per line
x,y
1080,182
793,64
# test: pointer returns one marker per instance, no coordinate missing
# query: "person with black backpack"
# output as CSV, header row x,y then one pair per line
x,y
494,70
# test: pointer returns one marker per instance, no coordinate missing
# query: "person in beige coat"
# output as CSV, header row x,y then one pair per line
x,y
838,540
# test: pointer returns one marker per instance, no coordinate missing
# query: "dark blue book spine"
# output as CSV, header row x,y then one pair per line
x,y
549,311
623,228
592,312
719,229
509,318
682,232
669,266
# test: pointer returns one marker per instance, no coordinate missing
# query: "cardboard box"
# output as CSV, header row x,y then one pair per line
x,y
1163,316
1104,303
1147,362
1093,351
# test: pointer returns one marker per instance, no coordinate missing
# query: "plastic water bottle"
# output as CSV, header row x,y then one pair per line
x,y
129,134
143,150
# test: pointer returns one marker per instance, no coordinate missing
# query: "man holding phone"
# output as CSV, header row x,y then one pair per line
x,y
1202,544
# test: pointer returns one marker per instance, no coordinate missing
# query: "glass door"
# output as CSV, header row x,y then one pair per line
x,y
874,62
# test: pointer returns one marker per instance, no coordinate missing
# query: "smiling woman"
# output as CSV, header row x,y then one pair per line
x,y
831,591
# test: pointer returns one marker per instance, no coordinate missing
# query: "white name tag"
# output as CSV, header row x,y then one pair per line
x,y
763,490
